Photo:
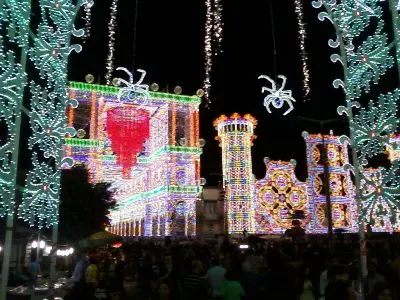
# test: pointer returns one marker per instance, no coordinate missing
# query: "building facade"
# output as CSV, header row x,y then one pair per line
x,y
211,212
235,135
269,205
156,196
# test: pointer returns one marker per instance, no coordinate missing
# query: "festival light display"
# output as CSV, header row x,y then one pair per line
x,y
112,24
299,9
277,95
159,197
279,197
49,102
269,205
12,81
343,207
212,40
365,54
380,205
127,128
236,134
393,148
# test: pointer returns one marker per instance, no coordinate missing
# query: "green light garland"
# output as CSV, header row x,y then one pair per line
x,y
115,90
365,59
49,103
14,18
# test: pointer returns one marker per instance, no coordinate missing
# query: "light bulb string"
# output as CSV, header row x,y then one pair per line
x,y
212,41
303,51
111,41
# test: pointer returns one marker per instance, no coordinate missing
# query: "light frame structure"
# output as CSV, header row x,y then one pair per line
x,y
160,197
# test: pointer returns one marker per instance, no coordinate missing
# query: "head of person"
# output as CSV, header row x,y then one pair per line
x,y
372,267
339,290
197,267
381,291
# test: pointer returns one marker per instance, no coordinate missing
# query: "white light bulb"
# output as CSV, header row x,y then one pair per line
x,y
42,244
34,245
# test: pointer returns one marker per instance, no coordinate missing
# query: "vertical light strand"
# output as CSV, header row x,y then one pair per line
x,y
212,41
92,135
88,19
191,128
208,51
173,125
93,103
303,52
111,41
218,26
196,129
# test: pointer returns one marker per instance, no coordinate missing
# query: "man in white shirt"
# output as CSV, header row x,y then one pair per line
x,y
216,277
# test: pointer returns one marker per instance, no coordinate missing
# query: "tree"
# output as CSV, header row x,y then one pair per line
x,y
83,206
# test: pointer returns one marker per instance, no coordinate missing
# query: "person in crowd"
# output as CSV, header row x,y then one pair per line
x,y
373,276
216,278
341,286
194,284
381,291
78,277
34,270
251,281
120,267
232,289
305,286
91,275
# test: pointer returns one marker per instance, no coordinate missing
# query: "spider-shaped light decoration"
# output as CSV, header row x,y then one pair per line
x,y
277,97
132,91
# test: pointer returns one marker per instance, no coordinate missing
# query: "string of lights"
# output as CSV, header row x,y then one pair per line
x,y
218,26
303,51
212,41
88,19
111,41
208,51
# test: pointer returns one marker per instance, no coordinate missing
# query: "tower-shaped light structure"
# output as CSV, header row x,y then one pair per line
x,y
340,186
236,135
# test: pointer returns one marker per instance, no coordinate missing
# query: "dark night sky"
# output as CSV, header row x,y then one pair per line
x,y
170,48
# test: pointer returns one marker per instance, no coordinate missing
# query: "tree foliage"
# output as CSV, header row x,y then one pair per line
x,y
83,206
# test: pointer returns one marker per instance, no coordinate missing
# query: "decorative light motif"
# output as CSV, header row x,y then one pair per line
x,y
133,90
159,198
380,194
111,41
235,135
373,125
340,184
12,78
128,128
302,37
277,96
49,103
212,40
393,148
365,56
279,196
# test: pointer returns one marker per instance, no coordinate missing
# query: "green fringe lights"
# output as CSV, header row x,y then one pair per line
x,y
364,53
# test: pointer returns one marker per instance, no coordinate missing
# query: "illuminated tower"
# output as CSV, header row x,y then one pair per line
x,y
340,184
235,135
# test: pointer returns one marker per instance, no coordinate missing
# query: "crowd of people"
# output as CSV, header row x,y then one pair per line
x,y
248,269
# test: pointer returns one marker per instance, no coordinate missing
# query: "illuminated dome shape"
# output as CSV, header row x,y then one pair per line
x,y
128,129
